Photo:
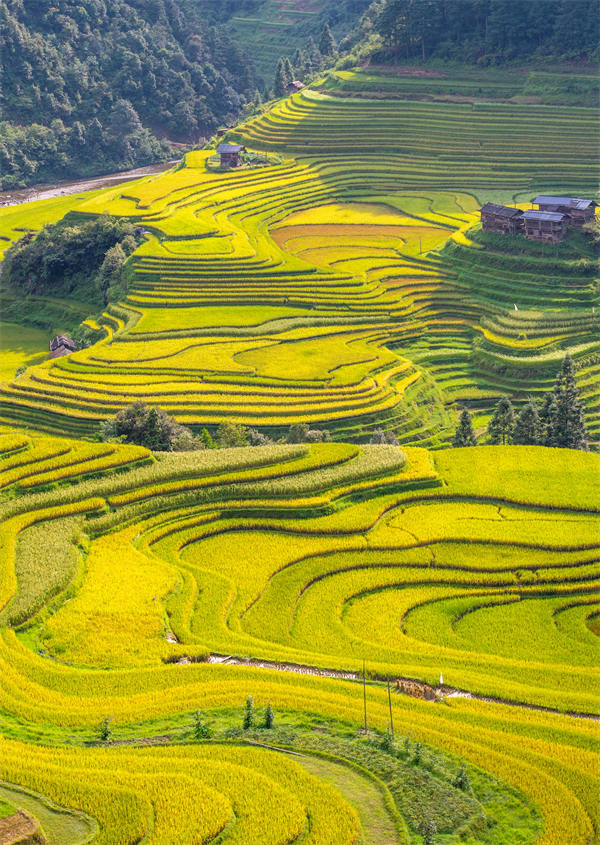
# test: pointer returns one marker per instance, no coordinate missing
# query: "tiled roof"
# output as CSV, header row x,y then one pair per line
x,y
501,210
568,202
230,148
552,216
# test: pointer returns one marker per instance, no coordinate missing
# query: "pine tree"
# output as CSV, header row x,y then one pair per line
x,y
327,45
502,423
249,713
548,420
528,427
569,428
280,85
289,71
464,436
298,61
269,717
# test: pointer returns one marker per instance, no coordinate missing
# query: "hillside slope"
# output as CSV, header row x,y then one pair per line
x,y
318,288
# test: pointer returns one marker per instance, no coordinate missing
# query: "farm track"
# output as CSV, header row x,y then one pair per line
x,y
442,691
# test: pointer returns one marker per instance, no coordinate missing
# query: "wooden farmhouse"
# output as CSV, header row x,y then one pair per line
x,y
549,226
294,86
61,345
577,211
231,154
501,218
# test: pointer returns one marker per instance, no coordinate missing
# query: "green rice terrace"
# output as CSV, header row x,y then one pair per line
x,y
322,643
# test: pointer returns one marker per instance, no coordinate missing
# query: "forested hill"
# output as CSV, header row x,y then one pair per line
x,y
86,87
487,32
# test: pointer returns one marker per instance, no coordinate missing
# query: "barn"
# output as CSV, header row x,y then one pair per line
x,y
61,345
501,218
549,226
577,210
231,154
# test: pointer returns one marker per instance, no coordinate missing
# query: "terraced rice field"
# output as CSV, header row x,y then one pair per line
x,y
245,275
140,593
320,555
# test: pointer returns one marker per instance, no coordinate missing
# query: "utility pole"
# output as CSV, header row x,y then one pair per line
x,y
390,705
365,693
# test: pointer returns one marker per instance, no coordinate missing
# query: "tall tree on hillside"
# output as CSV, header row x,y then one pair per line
x,y
464,436
422,22
289,70
547,419
528,427
392,24
298,62
280,84
327,45
502,424
569,425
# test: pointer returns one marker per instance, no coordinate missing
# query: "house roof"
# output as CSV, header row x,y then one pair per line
x,y
501,210
569,202
552,216
296,84
230,148
62,340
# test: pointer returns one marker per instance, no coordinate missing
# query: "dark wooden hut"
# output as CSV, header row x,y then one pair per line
x,y
549,226
501,218
577,210
294,86
230,154
61,345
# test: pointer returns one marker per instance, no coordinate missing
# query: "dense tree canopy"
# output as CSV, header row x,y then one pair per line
x,y
150,427
83,259
486,31
80,81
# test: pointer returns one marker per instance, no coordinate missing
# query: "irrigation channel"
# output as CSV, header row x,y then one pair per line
x,y
442,691
59,189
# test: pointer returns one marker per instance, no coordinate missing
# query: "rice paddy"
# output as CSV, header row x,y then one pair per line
x,y
322,555
145,597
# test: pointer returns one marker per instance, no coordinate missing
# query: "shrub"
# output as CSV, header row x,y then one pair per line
x,y
231,434
105,732
149,427
380,436
201,729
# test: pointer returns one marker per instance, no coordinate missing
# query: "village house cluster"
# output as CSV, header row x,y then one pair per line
x,y
549,222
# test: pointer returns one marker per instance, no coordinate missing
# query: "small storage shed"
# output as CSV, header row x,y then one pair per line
x,y
545,225
230,154
577,210
501,218
61,345
294,86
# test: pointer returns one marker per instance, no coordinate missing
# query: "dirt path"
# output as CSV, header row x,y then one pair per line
x,y
377,825
443,691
